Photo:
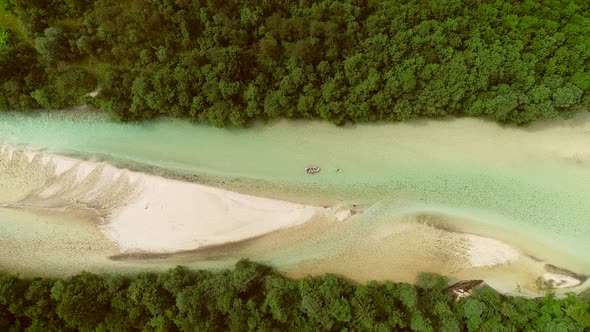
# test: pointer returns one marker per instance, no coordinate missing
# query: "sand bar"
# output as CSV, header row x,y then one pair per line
x,y
171,216
146,213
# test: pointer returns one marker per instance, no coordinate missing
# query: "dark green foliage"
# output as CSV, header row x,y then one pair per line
x,y
58,43
82,300
228,62
21,74
7,319
252,297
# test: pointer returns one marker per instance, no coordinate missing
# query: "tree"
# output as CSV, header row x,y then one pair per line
x,y
567,96
339,61
12,293
578,311
71,85
472,311
82,300
252,297
40,306
55,44
279,299
324,301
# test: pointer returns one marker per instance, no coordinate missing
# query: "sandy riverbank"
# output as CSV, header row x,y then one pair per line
x,y
151,214
140,212
170,216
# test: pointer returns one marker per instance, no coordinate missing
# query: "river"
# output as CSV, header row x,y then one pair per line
x,y
528,187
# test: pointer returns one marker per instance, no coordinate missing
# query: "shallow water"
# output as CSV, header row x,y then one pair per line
x,y
56,245
528,187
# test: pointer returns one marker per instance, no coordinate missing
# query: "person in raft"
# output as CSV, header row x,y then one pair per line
x,y
312,170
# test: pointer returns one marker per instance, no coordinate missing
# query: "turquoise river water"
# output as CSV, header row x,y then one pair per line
x,y
527,187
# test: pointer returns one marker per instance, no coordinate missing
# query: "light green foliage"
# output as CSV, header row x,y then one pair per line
x,y
408,296
279,296
472,311
443,311
325,301
567,96
580,313
5,38
41,98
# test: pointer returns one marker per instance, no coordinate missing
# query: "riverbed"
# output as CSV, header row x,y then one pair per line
x,y
416,188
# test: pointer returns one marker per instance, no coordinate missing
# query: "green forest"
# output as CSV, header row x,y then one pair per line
x,y
229,62
252,297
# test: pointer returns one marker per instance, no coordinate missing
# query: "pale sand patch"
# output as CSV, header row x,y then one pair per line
x,y
342,215
485,251
170,216
6,152
94,93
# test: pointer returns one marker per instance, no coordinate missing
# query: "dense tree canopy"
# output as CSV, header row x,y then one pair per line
x,y
227,62
252,297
